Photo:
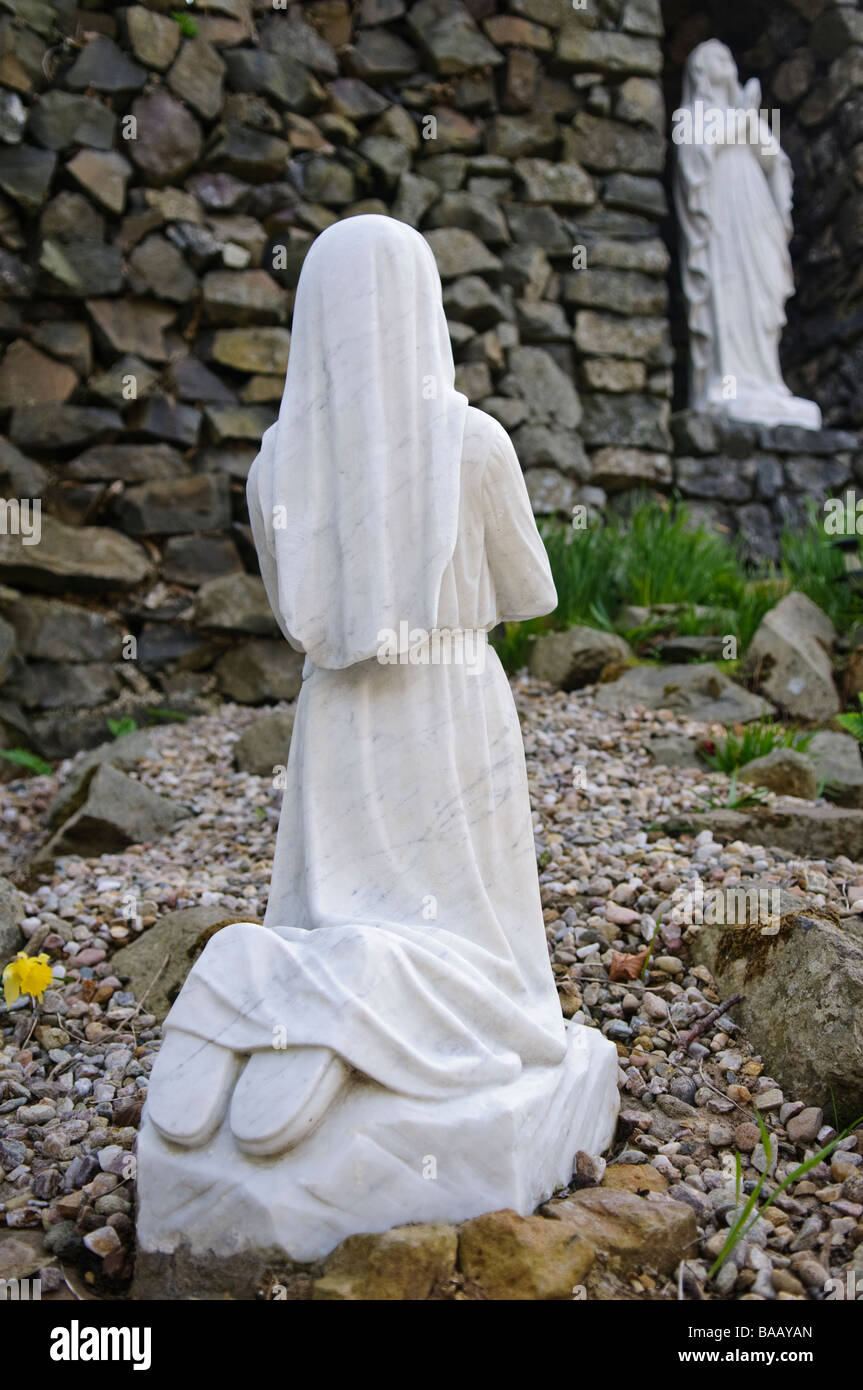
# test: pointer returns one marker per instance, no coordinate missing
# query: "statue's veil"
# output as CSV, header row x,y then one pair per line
x,y
359,478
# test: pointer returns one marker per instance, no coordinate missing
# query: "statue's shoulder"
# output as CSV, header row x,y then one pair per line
x,y
482,435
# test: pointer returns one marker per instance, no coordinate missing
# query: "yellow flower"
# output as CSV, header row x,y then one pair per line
x,y
26,975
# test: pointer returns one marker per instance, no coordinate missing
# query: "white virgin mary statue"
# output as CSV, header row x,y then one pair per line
x,y
733,197
388,1046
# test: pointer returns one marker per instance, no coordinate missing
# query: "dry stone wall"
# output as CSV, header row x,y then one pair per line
x,y
163,170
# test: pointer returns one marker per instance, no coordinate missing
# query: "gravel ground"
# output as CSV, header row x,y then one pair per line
x,y
73,1079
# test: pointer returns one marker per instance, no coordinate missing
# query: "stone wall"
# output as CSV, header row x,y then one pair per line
x,y
160,182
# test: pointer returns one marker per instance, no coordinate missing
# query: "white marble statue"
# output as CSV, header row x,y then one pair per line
x,y
733,197
388,1047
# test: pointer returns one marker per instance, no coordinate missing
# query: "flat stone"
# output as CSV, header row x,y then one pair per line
x,y
263,350
575,658
71,217
50,630
701,691
197,76
460,252
242,297
784,771
235,603
631,1232
168,138
838,766
260,671
515,137
52,685
116,811
790,652
26,174
278,76
548,392
194,560
449,37
549,491
133,325
29,377
128,463
168,507
238,422
625,420
513,1258
85,559
803,990
11,937
616,335
407,1263
157,267
79,269
617,469
613,147
154,38
124,753
106,67
583,49
60,119
53,426
264,745
104,175
812,832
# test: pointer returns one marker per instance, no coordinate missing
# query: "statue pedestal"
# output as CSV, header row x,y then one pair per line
x,y
212,1220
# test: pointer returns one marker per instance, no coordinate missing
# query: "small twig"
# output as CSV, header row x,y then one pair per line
x,y
704,1023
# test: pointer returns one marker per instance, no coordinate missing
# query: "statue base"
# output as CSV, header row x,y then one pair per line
x,y
212,1221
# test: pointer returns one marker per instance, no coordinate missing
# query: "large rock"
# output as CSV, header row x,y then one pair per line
x,y
504,1256
802,1005
30,377
235,603
838,767
784,771
181,936
575,658
813,832
88,559
123,753
701,692
628,1232
103,65
536,378
260,671
265,744
168,507
168,138
11,917
790,654
407,1263
116,811
450,38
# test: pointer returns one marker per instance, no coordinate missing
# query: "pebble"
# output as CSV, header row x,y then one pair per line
x,y
605,883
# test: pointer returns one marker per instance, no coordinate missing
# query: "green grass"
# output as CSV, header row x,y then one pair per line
x,y
814,564
852,722
756,741
22,757
656,556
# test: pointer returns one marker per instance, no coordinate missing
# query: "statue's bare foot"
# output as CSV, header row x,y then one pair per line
x,y
189,1089
282,1096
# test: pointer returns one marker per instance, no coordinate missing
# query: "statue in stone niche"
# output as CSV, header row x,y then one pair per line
x,y
388,1047
733,193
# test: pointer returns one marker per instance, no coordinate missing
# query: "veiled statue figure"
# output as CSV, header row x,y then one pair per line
x,y
733,193
388,1046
